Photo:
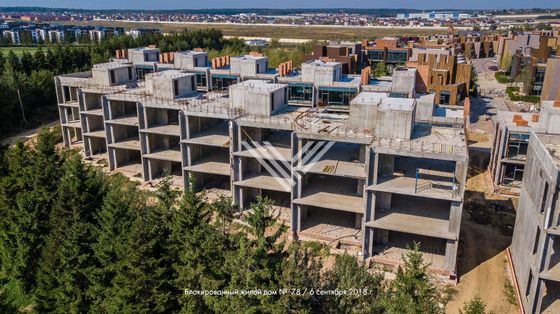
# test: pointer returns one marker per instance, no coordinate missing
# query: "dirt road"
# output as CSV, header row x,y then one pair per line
x,y
482,265
28,134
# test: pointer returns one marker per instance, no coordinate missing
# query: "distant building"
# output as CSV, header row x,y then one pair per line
x,y
13,36
135,32
434,15
256,42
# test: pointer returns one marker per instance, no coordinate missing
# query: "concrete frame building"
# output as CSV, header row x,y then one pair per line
x,y
371,175
509,152
536,238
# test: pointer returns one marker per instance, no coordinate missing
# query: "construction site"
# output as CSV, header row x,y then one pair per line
x,y
359,163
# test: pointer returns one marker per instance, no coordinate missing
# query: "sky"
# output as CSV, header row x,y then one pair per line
x,y
211,4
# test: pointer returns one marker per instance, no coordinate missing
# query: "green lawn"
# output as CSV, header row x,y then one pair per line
x,y
17,50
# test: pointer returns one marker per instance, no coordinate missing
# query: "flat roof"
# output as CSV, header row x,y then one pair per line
x,y
248,57
322,63
111,65
259,85
190,52
552,145
384,101
507,118
401,104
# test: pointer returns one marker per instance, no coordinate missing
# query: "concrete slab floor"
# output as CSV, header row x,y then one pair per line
x,y
168,154
217,136
418,221
130,143
265,181
279,153
125,120
97,134
408,186
215,163
171,129
330,225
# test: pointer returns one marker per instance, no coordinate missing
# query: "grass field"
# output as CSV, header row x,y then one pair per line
x,y
273,31
17,50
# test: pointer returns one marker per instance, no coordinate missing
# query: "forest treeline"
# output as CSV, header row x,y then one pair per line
x,y
74,239
27,93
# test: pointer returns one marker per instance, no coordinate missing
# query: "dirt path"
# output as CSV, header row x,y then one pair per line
x,y
28,134
483,266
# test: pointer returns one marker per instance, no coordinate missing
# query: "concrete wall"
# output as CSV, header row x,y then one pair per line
x,y
107,76
321,73
258,101
551,87
404,81
187,60
528,248
248,66
143,55
395,124
163,86
550,116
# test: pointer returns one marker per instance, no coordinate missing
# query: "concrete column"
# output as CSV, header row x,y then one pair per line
x,y
367,242
66,136
105,106
358,220
450,255
499,166
455,214
296,188
208,80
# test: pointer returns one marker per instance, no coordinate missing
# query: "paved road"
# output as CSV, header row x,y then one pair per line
x,y
489,100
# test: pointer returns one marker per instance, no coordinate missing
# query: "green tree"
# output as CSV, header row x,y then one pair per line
x,y
300,269
412,291
505,63
67,257
27,189
199,249
474,306
224,208
256,263
380,69
346,274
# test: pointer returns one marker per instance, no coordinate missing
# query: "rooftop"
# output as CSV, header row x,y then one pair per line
x,y
507,117
322,63
260,86
190,52
384,101
249,57
115,64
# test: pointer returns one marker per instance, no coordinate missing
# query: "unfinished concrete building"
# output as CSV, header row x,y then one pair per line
x,y
357,168
509,151
536,239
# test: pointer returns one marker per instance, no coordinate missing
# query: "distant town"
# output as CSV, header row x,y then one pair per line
x,y
311,161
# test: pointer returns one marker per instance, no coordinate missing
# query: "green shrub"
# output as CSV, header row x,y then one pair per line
x,y
513,93
502,77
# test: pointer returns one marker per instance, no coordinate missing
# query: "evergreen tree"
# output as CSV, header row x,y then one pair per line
x,y
199,248
346,274
26,192
111,248
13,61
257,263
67,258
411,291
300,269
474,306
